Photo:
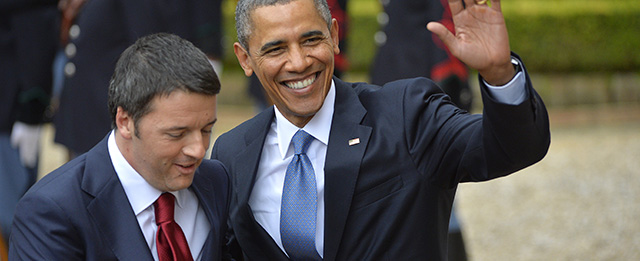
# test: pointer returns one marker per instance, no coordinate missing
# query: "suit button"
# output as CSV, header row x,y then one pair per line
x,y
383,18
70,50
380,37
74,31
69,69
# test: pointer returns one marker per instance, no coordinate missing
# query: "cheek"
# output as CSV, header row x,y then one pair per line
x,y
327,51
165,153
268,75
269,68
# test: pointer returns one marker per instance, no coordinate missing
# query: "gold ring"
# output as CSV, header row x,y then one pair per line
x,y
481,2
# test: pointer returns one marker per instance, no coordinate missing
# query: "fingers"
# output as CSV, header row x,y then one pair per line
x,y
495,4
469,3
456,6
442,32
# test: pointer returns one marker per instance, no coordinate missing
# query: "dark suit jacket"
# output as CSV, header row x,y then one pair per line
x,y
107,28
389,197
81,212
409,50
27,46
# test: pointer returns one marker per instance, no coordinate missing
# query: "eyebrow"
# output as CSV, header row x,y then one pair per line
x,y
312,33
268,45
176,128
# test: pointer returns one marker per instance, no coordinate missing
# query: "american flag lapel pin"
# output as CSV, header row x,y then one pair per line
x,y
355,141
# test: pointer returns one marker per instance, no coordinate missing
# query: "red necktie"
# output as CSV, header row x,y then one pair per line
x,y
170,241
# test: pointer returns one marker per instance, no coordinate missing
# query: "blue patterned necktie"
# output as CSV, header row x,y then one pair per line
x,y
299,198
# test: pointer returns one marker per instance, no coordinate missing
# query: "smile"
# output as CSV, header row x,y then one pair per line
x,y
301,84
186,168
185,165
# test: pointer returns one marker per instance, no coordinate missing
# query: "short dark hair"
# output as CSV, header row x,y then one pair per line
x,y
244,8
158,64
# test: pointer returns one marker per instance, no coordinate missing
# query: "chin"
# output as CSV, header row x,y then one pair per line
x,y
181,182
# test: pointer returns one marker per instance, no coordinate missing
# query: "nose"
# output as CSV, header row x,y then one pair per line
x,y
298,59
196,146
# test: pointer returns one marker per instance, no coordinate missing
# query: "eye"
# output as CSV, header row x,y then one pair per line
x,y
312,40
207,130
274,51
175,134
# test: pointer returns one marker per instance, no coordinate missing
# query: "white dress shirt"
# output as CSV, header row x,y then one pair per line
x,y
277,153
188,213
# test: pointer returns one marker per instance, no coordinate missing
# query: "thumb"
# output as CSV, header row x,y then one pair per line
x,y
443,33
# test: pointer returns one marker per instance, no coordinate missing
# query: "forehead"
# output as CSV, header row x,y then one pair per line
x,y
181,106
282,20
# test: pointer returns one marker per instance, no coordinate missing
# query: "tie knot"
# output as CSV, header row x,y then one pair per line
x,y
301,141
164,208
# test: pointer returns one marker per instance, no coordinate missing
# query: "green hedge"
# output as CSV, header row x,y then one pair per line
x,y
577,43
552,36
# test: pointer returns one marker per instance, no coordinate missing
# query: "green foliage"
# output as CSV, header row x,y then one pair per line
x,y
361,46
551,35
577,42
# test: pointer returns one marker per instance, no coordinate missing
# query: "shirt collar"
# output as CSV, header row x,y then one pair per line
x,y
319,126
140,193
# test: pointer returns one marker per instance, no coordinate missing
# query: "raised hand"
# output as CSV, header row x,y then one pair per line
x,y
481,40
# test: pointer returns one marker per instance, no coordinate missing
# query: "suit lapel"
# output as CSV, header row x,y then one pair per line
x,y
244,179
110,208
202,188
342,163
245,174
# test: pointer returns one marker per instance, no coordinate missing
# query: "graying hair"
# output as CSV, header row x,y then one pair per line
x,y
245,7
158,64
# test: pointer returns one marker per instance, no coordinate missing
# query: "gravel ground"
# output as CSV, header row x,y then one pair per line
x,y
581,202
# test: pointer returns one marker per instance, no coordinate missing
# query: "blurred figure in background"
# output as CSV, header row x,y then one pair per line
x,y
339,12
406,50
103,29
27,46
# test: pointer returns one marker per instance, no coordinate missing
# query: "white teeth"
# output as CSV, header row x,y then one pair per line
x,y
301,84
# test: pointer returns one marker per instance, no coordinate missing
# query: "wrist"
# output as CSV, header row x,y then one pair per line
x,y
503,75
499,76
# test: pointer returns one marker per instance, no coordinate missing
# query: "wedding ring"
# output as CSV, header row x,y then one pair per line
x,y
481,2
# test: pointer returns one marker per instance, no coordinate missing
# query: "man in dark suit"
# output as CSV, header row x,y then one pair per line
x,y
27,46
104,205
101,30
384,161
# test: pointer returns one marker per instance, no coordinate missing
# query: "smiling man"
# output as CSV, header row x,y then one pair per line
x,y
352,171
144,192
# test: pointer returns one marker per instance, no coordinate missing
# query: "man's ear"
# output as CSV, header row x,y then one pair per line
x,y
243,58
335,36
124,124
